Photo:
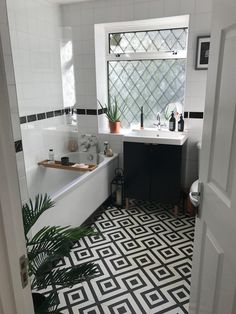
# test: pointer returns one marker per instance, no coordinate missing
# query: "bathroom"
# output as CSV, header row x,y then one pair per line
x,y
56,54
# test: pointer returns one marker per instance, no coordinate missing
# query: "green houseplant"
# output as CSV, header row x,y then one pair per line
x,y
45,249
113,113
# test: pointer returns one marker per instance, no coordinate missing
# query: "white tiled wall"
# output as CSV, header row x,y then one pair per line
x,y
35,37
8,98
35,34
8,61
81,17
40,136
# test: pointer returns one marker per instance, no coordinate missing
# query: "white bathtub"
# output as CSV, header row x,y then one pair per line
x,y
76,194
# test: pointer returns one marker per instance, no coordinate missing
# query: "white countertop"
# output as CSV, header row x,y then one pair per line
x,y
155,136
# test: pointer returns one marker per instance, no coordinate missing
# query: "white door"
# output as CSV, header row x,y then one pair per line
x,y
14,299
213,287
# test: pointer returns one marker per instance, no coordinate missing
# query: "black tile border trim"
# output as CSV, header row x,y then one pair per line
x,y
41,116
196,115
49,114
60,112
18,146
31,118
81,111
23,120
89,112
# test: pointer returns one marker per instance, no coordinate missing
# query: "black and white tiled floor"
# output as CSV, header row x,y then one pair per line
x,y
143,256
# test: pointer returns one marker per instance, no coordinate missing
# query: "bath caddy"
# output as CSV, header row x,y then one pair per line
x,y
58,165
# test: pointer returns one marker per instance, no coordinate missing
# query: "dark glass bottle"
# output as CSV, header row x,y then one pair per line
x,y
172,122
181,123
141,118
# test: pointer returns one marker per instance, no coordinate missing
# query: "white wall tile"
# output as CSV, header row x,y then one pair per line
x,y
172,7
156,9
203,6
141,10
35,38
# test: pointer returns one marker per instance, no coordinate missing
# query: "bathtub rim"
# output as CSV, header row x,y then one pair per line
x,y
82,179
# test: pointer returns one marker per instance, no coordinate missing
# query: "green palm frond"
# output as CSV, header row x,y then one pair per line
x,y
46,248
53,241
49,305
32,211
65,277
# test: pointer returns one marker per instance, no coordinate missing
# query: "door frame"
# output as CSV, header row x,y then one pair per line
x,y
13,298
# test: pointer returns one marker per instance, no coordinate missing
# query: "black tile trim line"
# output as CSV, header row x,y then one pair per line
x,y
31,118
196,115
41,116
90,112
60,112
186,114
44,115
23,120
193,115
81,111
18,146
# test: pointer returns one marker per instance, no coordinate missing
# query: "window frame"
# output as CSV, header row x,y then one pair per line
x,y
142,56
161,55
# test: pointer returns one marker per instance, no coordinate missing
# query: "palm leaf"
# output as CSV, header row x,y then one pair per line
x,y
55,241
49,305
65,277
31,212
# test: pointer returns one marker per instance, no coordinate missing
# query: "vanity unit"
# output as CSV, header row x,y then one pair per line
x,y
152,165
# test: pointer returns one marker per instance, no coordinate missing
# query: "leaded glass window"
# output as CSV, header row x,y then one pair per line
x,y
148,41
147,68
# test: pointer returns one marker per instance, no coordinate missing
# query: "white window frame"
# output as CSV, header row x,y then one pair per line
x,y
146,26
102,55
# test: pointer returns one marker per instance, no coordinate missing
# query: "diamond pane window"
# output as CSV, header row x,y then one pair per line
x,y
142,72
148,41
149,83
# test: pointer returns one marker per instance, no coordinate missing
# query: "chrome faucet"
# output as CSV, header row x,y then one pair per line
x,y
158,124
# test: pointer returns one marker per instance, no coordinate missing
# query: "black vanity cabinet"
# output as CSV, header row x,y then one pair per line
x,y
152,171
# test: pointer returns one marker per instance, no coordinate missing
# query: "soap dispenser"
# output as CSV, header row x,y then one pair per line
x,y
172,122
181,123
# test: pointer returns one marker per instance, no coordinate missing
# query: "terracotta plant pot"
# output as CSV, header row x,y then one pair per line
x,y
114,126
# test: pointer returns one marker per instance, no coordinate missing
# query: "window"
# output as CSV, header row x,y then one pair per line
x,y
147,68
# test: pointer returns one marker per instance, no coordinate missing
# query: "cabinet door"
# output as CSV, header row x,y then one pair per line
x,y
136,170
165,163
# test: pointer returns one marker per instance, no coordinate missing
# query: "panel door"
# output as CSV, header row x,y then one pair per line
x,y
213,288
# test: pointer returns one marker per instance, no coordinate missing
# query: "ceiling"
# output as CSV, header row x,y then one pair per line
x,y
68,1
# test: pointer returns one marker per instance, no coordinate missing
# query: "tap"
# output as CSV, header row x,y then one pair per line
x,y
158,124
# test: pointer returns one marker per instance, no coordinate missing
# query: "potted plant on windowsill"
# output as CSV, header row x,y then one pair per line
x,y
113,114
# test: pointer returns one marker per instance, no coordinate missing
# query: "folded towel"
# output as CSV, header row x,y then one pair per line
x,y
83,166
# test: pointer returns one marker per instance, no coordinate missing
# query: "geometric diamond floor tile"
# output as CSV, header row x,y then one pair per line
x,y
143,255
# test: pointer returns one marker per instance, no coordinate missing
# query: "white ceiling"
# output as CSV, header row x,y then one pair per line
x,y
68,1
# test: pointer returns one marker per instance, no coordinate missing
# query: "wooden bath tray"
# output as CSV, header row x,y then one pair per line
x,y
58,165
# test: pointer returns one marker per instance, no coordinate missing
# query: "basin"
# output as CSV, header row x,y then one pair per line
x,y
155,136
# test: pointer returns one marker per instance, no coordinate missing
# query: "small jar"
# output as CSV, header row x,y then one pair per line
x,y
72,145
51,156
106,144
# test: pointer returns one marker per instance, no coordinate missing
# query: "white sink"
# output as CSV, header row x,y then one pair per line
x,y
155,136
